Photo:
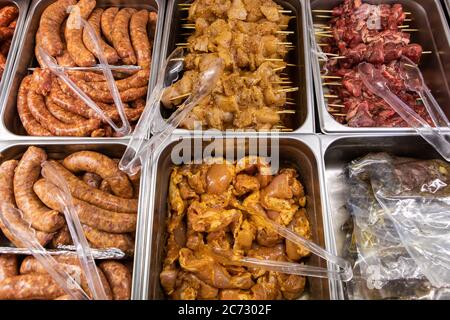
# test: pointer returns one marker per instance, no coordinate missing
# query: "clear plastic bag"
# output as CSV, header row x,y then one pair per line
x,y
401,212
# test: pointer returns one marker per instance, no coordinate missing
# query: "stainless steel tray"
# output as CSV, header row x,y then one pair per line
x,y
338,151
10,125
304,118
301,152
428,16
58,149
22,5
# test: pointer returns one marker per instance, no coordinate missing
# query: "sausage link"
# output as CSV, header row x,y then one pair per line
x,y
7,170
121,36
8,266
87,76
119,279
139,38
27,172
82,191
101,239
7,15
51,20
71,264
152,19
62,114
64,297
4,49
105,96
62,238
137,80
74,33
39,111
6,33
107,21
113,222
32,127
103,166
110,53
105,187
92,179
30,287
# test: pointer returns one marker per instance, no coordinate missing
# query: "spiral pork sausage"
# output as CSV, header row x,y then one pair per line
x,y
51,20
102,165
74,33
110,53
82,191
113,222
121,36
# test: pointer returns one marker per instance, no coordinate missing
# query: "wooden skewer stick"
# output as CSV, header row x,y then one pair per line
x,y
287,90
287,112
182,44
290,103
279,68
270,59
284,11
323,11
323,16
285,32
177,59
290,65
323,31
339,114
285,43
181,96
336,105
282,82
330,77
332,84
427,52
331,96
410,30
324,35
290,99
403,27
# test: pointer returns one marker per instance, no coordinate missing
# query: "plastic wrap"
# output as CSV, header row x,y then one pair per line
x,y
76,231
400,209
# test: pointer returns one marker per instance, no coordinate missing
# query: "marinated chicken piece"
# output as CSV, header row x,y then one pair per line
x,y
300,225
208,270
218,214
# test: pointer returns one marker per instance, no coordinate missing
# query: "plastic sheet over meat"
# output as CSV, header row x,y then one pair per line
x,y
400,233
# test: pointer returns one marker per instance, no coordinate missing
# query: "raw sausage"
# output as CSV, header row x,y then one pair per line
x,y
107,21
121,36
7,169
27,173
119,279
139,38
110,53
32,127
113,222
62,238
71,264
92,179
74,33
137,80
82,191
62,114
51,21
40,112
7,15
30,287
8,266
100,239
103,166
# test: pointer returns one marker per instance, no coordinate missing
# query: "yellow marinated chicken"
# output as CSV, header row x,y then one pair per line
x,y
250,38
218,213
